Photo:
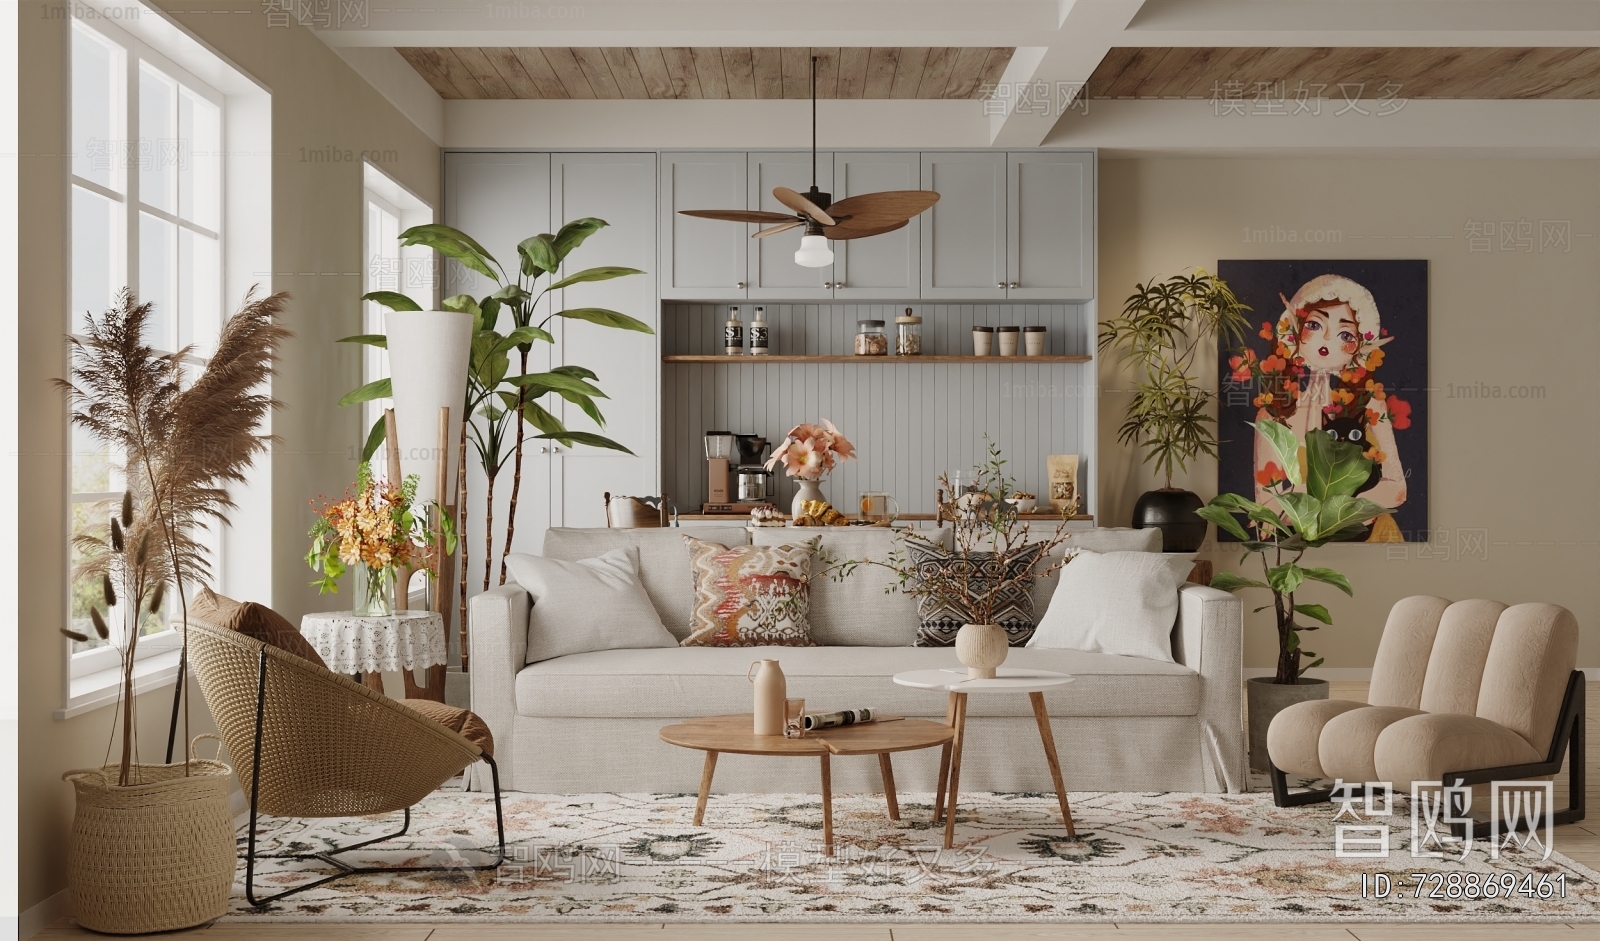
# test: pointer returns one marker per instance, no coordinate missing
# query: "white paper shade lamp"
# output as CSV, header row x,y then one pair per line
x,y
428,357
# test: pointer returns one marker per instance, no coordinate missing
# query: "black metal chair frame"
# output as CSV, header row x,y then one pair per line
x,y
1571,726
331,856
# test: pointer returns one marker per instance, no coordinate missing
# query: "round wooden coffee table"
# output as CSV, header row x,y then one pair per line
x,y
735,735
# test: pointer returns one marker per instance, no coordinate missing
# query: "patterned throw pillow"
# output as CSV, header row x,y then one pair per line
x,y
941,619
749,596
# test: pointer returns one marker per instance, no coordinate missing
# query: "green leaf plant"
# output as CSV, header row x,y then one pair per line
x,y
494,398
1162,328
1316,504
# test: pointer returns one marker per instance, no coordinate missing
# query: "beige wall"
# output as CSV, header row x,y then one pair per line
x,y
1524,470
317,102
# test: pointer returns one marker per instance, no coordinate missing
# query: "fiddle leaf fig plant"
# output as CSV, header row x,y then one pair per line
x,y
1161,331
1316,504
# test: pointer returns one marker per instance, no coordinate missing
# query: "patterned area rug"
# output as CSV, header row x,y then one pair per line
x,y
1137,857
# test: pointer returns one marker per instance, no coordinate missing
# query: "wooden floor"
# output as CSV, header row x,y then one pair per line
x,y
1580,842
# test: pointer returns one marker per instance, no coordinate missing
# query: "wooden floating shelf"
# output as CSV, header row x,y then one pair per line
x,y
875,360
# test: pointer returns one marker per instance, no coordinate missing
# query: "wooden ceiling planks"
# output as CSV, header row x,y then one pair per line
x,y
1348,72
555,72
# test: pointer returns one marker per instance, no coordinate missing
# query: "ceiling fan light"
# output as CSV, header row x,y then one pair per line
x,y
814,252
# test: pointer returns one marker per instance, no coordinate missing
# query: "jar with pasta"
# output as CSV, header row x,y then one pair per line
x,y
871,340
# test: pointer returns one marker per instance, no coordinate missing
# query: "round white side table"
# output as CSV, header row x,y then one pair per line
x,y
372,645
956,683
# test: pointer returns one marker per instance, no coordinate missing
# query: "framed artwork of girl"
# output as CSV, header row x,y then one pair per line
x,y
1329,364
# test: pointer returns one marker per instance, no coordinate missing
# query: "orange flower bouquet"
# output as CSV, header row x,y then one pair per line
x,y
376,529
810,451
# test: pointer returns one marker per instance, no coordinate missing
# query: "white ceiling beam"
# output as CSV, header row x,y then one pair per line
x,y
1040,82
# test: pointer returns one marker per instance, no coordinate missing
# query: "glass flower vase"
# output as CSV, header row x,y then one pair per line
x,y
375,592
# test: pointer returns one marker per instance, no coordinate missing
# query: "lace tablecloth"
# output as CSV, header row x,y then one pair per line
x,y
351,643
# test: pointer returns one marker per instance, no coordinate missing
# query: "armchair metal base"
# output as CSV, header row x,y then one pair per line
x,y
331,856
1571,727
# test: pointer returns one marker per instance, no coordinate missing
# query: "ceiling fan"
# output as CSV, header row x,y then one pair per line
x,y
853,218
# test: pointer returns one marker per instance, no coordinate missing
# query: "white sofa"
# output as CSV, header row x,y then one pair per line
x,y
588,722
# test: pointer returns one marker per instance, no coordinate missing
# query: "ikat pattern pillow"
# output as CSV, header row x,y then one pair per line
x,y
750,596
941,618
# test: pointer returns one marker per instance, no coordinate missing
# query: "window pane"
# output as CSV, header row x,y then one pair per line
x,y
93,265
199,293
199,126
86,591
94,85
91,463
157,256
159,144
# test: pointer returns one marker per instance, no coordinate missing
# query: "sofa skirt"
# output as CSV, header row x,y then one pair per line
x,y
1098,753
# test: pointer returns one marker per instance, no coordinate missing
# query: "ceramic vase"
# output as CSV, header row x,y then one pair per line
x,y
1266,699
981,648
771,690
809,490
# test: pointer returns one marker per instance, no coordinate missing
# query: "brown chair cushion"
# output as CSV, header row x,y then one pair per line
x,y
253,620
461,721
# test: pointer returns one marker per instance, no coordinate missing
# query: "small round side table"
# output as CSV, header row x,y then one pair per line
x,y
959,686
371,645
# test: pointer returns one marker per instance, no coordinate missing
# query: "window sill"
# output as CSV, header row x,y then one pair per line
x,y
97,690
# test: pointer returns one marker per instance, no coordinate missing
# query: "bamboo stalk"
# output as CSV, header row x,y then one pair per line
x,y
516,473
391,438
461,534
441,471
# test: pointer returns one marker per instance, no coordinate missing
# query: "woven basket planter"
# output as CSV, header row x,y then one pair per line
x,y
153,856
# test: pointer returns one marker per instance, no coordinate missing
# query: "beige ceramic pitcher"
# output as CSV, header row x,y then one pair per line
x,y
771,689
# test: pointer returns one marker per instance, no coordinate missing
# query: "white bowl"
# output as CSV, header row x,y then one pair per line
x,y
1023,504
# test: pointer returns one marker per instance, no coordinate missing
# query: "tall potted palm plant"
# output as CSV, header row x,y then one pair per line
x,y
152,844
1163,327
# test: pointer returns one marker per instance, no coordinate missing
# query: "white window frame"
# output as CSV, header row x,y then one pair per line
x,y
93,674
416,277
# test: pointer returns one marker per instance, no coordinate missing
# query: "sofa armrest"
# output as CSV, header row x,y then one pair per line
x,y
1209,639
497,640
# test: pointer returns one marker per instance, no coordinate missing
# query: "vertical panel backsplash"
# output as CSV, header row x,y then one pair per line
x,y
909,421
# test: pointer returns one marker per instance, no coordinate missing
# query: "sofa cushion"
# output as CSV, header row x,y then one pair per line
x,y
750,596
663,561
857,611
1116,602
705,681
1100,539
253,620
591,604
463,722
949,582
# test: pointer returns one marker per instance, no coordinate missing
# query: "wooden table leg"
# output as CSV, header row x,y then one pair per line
x,y
887,771
373,680
827,806
705,787
955,769
435,688
1050,756
944,761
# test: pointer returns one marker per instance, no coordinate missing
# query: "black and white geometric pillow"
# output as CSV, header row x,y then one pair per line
x,y
941,618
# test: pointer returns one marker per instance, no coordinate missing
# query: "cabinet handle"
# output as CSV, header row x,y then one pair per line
x,y
544,449
741,285
827,284
1001,285
1015,284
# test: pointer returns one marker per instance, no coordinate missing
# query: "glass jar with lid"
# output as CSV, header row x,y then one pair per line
x,y
871,340
908,334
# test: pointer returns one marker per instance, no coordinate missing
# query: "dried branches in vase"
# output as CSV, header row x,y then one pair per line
x,y
180,448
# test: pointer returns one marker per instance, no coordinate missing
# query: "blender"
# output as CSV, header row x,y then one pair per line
x,y
719,452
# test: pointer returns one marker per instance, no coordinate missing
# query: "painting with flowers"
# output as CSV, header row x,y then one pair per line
x,y
1339,348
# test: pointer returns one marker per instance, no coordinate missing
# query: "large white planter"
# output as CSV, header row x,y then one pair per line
x,y
429,351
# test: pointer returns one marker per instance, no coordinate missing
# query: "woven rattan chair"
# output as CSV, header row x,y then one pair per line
x,y
307,742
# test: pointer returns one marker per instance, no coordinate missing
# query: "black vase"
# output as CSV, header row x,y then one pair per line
x,y
1172,512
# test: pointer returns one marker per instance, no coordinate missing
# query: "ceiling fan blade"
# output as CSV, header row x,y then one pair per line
x,y
737,215
800,204
871,210
777,228
840,232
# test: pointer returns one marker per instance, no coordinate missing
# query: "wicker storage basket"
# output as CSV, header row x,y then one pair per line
x,y
153,856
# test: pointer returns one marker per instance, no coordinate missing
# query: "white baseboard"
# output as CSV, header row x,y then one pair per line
x,y
1364,674
43,915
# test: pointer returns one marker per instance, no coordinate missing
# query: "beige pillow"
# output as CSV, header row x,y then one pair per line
x,y
750,596
591,604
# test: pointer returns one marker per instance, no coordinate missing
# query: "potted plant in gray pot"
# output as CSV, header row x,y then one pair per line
x,y
1316,504
1163,327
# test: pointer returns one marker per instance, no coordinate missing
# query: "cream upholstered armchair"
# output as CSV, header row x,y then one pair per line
x,y
1462,693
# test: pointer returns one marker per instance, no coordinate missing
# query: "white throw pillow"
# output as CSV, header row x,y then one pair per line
x,y
592,604
1116,602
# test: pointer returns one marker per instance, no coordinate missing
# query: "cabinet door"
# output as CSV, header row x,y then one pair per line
x,y
964,234
773,272
1050,211
500,199
702,259
883,267
621,189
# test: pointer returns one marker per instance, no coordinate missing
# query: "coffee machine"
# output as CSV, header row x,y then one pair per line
x,y
755,482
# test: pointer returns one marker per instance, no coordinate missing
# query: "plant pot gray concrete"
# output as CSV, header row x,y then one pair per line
x,y
1266,699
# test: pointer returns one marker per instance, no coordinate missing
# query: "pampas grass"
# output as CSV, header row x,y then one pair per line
x,y
181,448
